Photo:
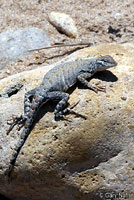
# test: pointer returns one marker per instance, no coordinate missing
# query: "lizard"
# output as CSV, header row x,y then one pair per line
x,y
54,86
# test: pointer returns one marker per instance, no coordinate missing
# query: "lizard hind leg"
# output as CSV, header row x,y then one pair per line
x,y
19,120
61,107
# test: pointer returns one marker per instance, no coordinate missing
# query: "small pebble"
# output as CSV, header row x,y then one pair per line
x,y
124,98
118,15
64,23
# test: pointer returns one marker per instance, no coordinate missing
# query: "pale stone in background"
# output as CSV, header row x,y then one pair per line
x,y
15,44
63,23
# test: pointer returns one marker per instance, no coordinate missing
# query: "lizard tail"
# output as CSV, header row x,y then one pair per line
x,y
26,131
17,149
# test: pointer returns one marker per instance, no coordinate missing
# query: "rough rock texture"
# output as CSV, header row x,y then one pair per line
x,y
63,23
74,158
97,22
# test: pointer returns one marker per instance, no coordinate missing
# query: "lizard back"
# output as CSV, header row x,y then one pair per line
x,y
63,76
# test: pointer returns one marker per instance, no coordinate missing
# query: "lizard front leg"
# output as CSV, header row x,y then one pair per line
x,y
82,79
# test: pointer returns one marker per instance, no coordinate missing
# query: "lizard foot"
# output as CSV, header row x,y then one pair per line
x,y
61,113
96,88
69,110
18,120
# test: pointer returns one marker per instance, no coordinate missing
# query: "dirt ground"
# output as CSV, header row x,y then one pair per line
x,y
98,21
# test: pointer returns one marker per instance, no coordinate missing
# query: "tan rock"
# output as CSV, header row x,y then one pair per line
x,y
73,158
63,23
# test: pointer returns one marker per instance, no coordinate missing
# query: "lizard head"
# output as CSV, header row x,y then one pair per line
x,y
105,62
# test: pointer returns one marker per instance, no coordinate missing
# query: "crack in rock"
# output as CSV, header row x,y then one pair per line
x,y
12,90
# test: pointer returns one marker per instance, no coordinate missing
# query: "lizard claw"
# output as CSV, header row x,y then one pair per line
x,y
101,88
95,89
16,120
75,104
77,114
98,88
10,121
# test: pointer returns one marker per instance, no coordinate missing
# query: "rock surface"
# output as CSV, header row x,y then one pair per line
x,y
74,158
63,23
101,22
